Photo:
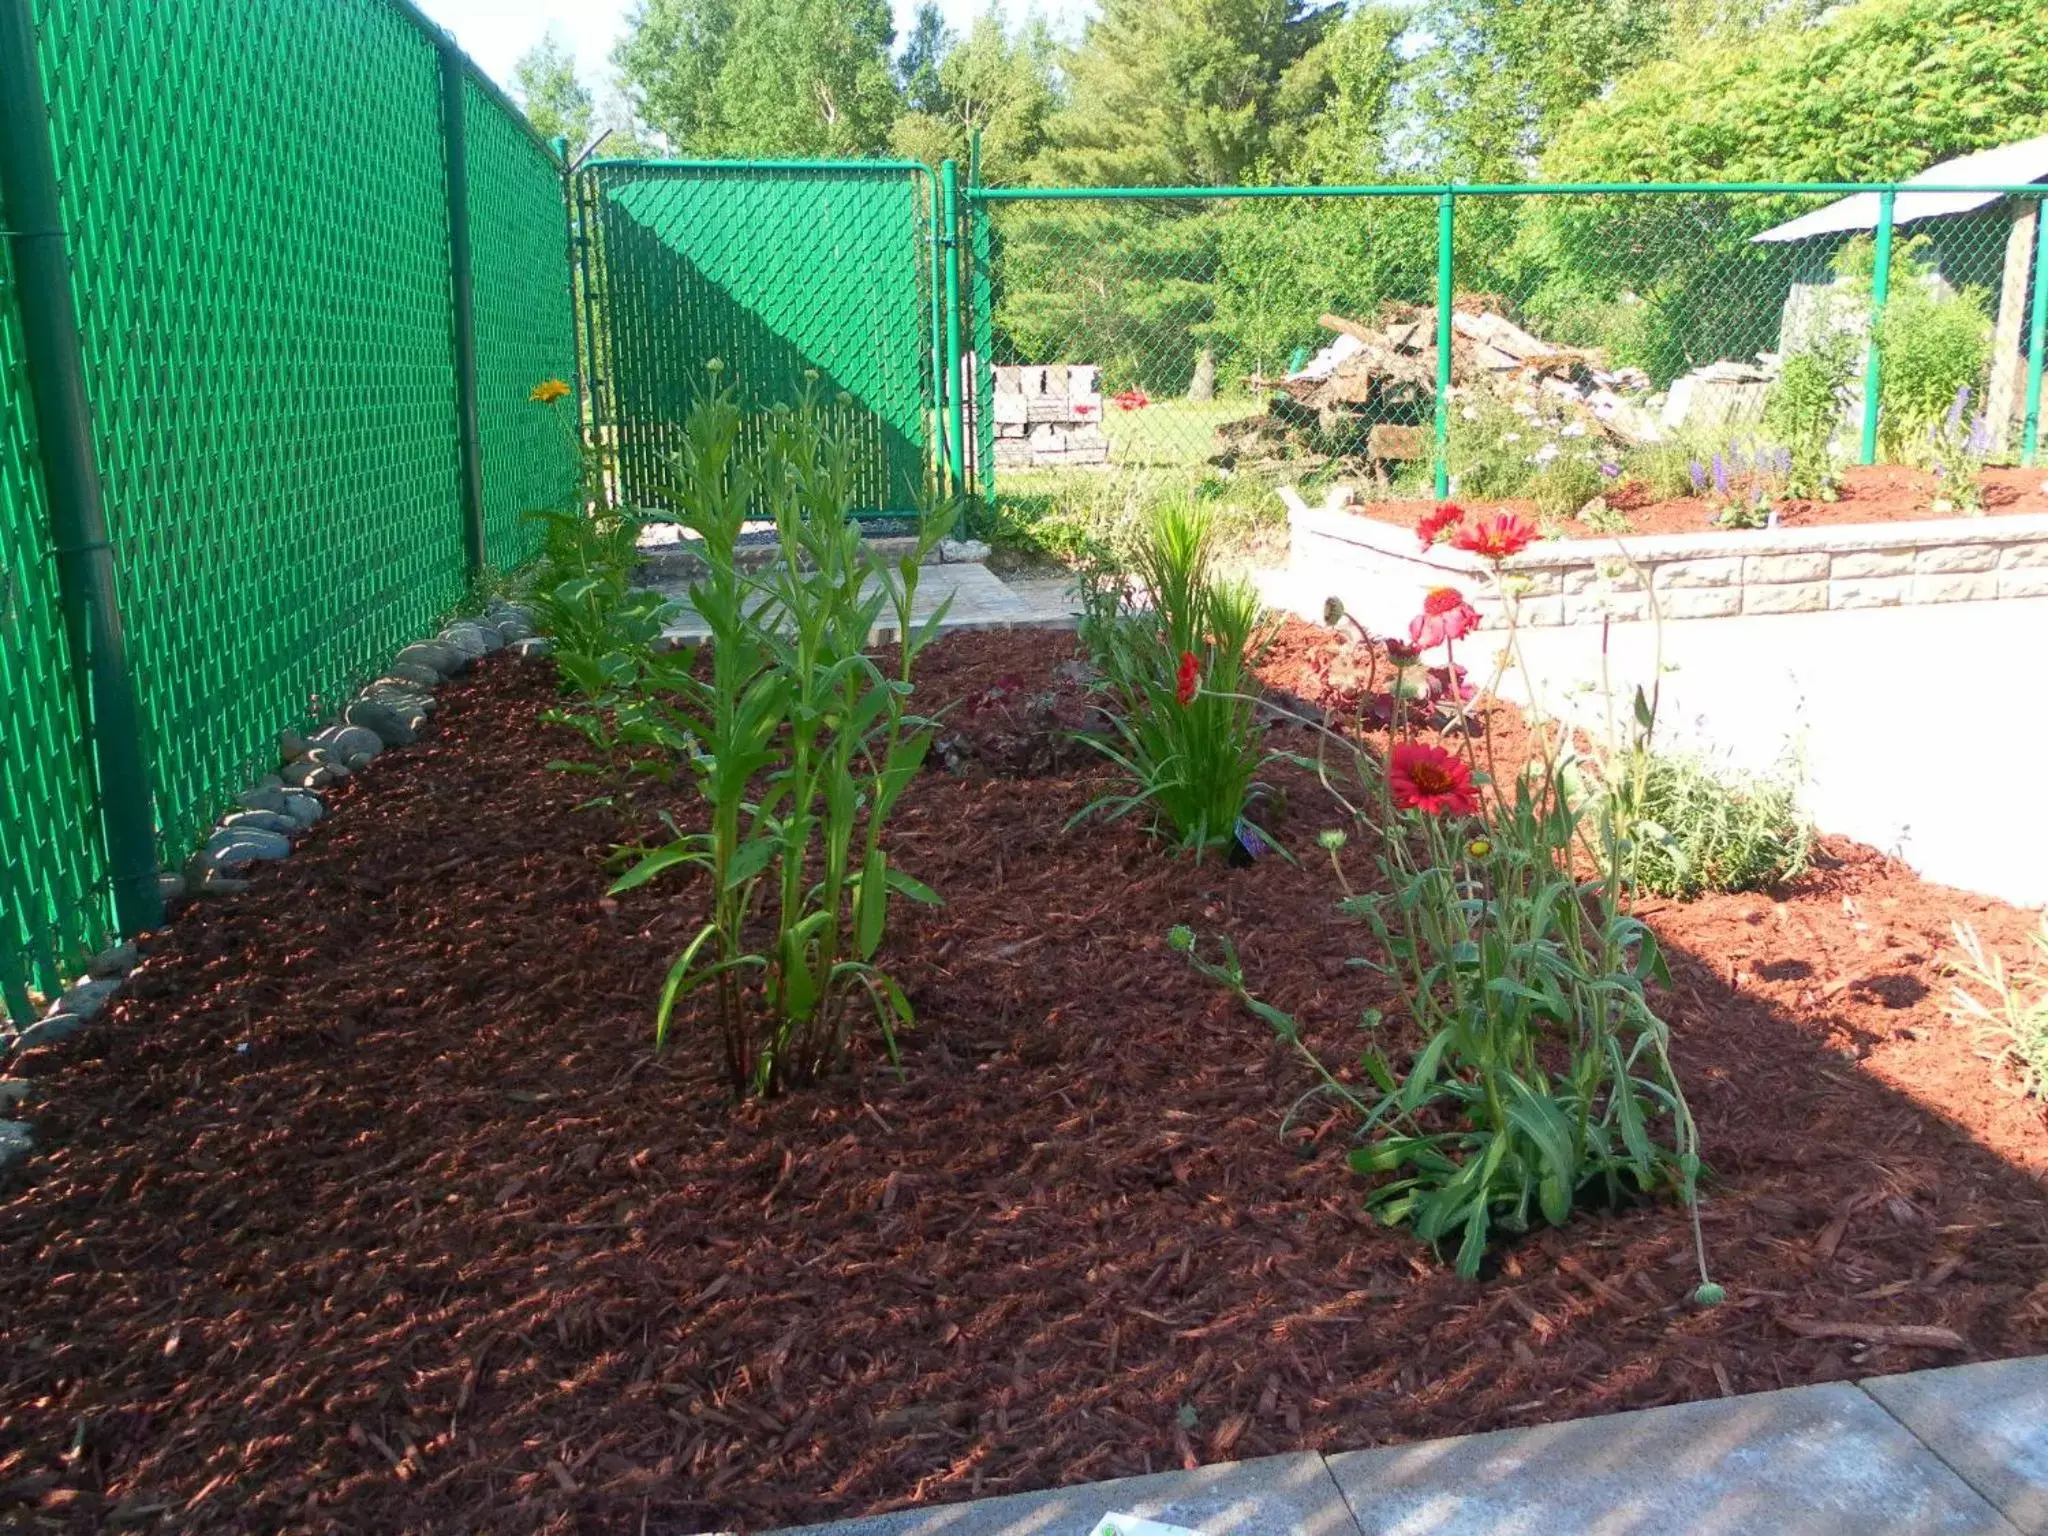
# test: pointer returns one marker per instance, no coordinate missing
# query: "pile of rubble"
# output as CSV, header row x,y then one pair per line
x,y
1371,393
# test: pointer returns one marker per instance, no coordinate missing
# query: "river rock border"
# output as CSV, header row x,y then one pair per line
x,y
1380,573
271,815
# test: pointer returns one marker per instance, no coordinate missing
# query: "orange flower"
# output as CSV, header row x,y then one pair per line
x,y
1495,536
1445,616
1428,779
548,391
1435,524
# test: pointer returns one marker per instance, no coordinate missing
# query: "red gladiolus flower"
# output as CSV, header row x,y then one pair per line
x,y
1495,536
1428,779
1435,524
1189,678
1445,616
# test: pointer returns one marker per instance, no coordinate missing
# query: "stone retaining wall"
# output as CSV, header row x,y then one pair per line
x,y
1380,572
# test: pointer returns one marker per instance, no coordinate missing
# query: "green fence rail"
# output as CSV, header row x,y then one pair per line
x,y
792,274
1196,316
261,207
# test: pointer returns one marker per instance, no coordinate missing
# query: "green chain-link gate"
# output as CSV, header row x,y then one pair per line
x,y
792,275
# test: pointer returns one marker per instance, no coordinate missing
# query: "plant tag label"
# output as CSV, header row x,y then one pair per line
x,y
1134,1525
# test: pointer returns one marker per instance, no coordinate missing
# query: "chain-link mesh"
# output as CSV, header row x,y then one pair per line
x,y
1296,334
525,328
53,900
255,195
779,272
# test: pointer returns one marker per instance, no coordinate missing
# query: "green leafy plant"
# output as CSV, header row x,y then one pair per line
x,y
1542,1077
803,746
2011,1019
1804,411
1957,447
1698,829
1176,644
1932,340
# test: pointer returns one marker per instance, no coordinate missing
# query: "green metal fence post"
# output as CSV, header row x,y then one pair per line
x,y
461,266
1880,290
956,415
1446,298
2037,324
87,579
939,460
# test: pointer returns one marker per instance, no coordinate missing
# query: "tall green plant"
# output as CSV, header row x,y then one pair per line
x,y
1176,645
804,747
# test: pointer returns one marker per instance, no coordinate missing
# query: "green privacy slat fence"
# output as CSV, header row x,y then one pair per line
x,y
1155,286
255,195
777,270
525,328
53,873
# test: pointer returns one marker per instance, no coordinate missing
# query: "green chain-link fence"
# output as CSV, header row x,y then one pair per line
x,y
1594,333
792,275
255,196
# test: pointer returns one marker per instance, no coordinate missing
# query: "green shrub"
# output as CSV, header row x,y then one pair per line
x,y
1932,341
1804,411
2011,1025
1701,829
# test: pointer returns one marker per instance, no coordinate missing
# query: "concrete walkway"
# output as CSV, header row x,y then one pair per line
x,y
1961,1451
979,599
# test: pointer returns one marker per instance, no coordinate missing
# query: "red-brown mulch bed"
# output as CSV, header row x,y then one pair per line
x,y
1879,493
369,1209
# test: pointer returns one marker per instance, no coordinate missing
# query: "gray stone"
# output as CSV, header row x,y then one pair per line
x,y
411,674
1950,559
262,821
261,800
471,640
963,551
219,885
432,656
114,963
309,774
512,627
1989,1422
539,648
58,1026
87,998
291,745
409,701
170,886
15,1141
239,847
385,720
355,744
13,1090
302,807
1274,1496
1808,1461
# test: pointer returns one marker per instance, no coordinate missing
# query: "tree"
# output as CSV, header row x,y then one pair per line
x,y
556,102
995,83
1166,91
917,71
669,63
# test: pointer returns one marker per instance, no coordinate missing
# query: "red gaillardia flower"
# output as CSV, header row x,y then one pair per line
x,y
1428,779
1495,536
1188,679
1445,616
1436,523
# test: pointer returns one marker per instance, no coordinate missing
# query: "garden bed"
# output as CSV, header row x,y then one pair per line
x,y
368,1207
1879,493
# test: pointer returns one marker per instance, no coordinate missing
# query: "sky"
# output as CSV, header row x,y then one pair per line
x,y
496,32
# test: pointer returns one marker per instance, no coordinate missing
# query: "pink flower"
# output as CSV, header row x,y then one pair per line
x,y
1445,616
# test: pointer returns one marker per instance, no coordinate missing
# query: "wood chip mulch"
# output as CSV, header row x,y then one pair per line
x,y
368,1208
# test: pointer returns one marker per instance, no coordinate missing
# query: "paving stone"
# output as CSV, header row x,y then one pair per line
x,y
1273,1496
1813,1461
1989,1422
